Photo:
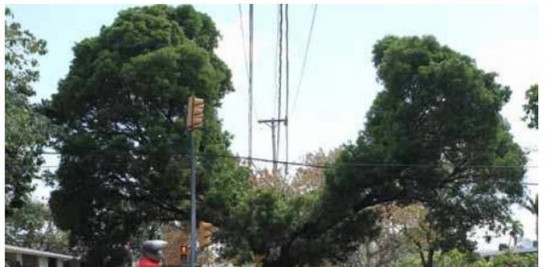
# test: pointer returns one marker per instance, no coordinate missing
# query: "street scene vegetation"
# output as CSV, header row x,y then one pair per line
x,y
434,159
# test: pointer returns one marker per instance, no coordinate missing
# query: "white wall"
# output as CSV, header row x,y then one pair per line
x,y
59,263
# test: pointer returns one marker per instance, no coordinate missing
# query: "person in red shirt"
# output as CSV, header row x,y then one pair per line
x,y
152,253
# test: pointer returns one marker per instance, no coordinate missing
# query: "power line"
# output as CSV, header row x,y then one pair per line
x,y
302,72
349,164
290,163
279,99
275,67
241,23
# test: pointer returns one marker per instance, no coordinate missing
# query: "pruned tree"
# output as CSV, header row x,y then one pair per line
x,y
434,135
124,148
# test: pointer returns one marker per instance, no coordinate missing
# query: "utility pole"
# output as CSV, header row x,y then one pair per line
x,y
287,90
273,123
194,120
250,99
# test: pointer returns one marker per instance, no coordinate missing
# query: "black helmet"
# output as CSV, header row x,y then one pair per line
x,y
153,246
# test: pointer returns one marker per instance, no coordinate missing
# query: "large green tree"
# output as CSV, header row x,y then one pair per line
x,y
125,151
434,135
26,129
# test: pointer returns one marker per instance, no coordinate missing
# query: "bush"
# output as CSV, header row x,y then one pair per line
x,y
456,258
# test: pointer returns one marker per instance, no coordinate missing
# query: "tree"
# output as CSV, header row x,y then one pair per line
x,y
26,130
531,108
273,208
434,135
312,178
124,150
393,242
32,227
516,231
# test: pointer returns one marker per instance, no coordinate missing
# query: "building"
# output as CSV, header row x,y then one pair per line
x,y
520,250
26,257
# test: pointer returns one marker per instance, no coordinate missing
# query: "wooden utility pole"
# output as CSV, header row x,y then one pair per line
x,y
250,99
273,123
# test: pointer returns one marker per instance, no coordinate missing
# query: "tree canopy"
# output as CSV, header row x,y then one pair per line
x,y
125,154
26,129
32,227
434,136
437,137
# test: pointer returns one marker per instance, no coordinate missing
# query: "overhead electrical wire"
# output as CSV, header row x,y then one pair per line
x,y
241,24
247,68
349,164
279,99
276,66
320,166
302,72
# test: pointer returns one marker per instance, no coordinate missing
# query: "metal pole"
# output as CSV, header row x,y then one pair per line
x,y
287,91
193,247
250,100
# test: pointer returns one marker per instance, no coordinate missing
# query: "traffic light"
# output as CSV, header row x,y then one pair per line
x,y
194,118
205,234
184,250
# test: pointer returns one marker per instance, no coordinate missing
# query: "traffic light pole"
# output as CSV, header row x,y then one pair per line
x,y
194,120
193,244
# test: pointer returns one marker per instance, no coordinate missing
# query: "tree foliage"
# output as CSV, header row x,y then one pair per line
x,y
437,125
32,227
125,153
531,108
271,210
434,135
455,258
26,130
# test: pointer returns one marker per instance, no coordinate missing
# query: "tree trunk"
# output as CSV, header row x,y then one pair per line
x,y
423,261
429,261
284,259
430,258
369,262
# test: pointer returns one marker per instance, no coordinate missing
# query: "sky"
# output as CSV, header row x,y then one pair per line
x,y
339,83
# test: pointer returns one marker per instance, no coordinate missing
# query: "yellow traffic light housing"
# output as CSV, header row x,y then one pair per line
x,y
184,250
205,234
196,108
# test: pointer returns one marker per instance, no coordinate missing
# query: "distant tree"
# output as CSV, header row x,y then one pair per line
x,y
32,227
124,147
531,108
516,231
26,130
308,179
